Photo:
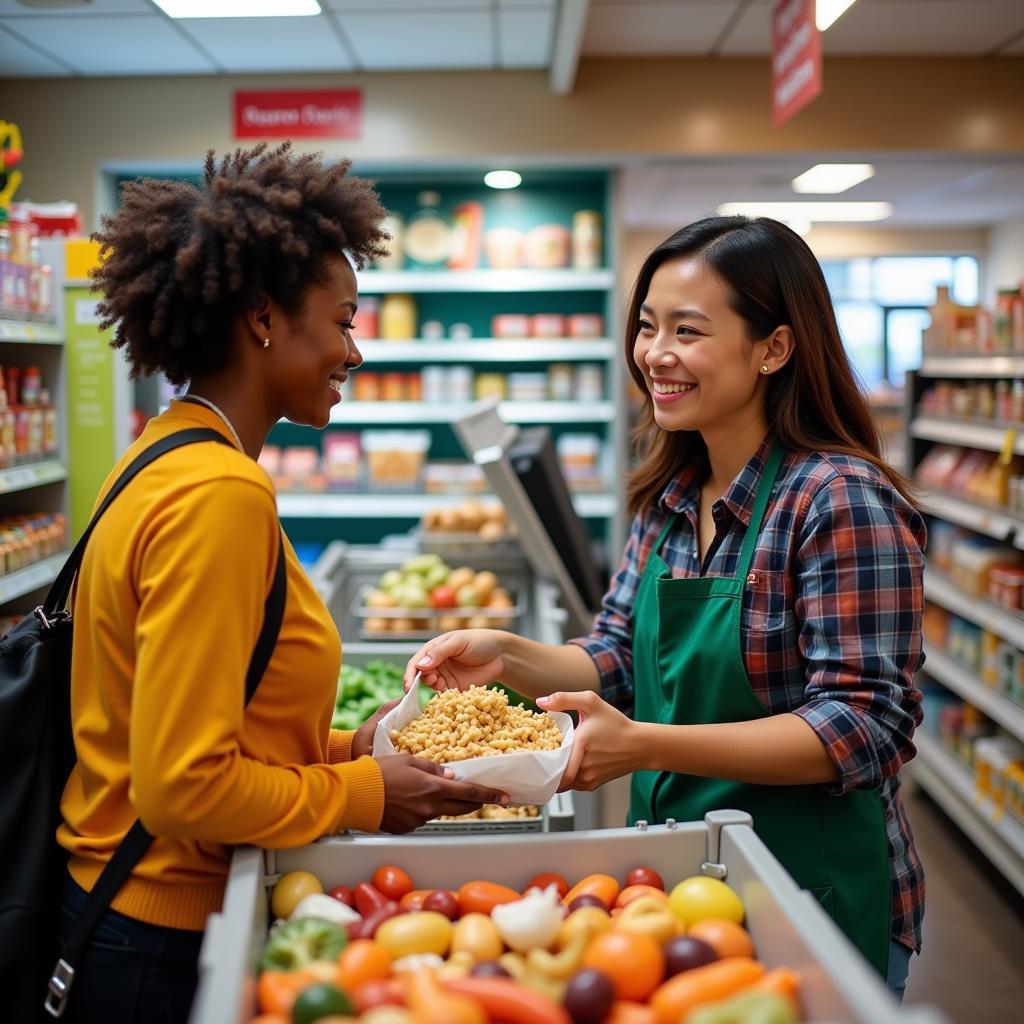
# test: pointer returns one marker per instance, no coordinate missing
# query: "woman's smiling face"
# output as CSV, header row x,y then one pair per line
x,y
693,349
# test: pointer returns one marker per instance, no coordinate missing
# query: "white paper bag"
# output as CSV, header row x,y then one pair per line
x,y
529,776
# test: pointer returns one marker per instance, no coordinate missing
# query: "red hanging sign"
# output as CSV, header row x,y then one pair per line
x,y
796,59
299,114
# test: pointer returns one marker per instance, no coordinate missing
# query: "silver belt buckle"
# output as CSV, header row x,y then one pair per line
x,y
59,989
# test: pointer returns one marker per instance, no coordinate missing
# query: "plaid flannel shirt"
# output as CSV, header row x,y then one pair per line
x,y
831,620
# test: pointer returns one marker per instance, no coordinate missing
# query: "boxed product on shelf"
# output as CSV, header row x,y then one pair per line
x,y
973,558
395,458
300,468
26,283
935,625
973,329
994,757
941,537
453,478
581,457
342,458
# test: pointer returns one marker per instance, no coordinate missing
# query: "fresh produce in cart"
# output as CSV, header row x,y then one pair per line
x,y
470,518
426,596
633,953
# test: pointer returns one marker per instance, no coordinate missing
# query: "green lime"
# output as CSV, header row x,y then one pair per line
x,y
319,1001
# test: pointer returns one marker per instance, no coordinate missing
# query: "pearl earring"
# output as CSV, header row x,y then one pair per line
x,y
266,343
764,367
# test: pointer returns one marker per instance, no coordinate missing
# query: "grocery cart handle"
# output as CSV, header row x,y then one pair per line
x,y
716,821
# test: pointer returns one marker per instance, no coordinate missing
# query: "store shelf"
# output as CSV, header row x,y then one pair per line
x,y
967,435
406,506
941,667
24,581
992,523
990,366
26,331
22,478
999,837
405,413
384,282
485,350
938,587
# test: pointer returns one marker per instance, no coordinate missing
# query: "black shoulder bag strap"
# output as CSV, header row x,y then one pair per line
x,y
135,844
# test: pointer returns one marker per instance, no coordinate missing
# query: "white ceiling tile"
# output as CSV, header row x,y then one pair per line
x,y
104,45
524,37
626,28
895,27
20,61
12,7
392,42
270,44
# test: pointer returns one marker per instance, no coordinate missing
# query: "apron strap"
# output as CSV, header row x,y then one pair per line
x,y
764,490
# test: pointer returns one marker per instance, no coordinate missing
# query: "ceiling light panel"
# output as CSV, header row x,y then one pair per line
x,y
238,8
830,179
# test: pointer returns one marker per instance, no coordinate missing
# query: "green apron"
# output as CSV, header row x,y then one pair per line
x,y
689,670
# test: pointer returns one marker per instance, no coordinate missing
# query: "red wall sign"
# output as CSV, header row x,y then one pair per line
x,y
299,114
796,58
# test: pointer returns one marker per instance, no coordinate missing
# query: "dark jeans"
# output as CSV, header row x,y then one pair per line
x,y
132,972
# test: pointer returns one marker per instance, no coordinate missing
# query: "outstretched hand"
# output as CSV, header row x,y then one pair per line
x,y
604,745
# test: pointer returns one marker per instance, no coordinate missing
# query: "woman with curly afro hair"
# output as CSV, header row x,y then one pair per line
x,y
245,290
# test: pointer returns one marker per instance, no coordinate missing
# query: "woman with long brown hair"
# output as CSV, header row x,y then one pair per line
x,y
757,647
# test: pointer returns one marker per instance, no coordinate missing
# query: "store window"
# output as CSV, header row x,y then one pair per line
x,y
882,307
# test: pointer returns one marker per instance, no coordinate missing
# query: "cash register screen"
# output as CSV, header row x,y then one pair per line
x,y
536,465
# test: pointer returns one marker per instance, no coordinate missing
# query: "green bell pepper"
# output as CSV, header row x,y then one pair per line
x,y
299,943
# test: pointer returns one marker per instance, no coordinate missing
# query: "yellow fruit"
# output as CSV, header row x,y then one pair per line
x,y
424,931
484,585
492,530
377,625
378,599
697,898
291,889
460,577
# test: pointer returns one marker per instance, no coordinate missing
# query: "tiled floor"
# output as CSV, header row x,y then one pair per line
x,y
972,963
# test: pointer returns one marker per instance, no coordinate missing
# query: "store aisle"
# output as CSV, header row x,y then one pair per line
x,y
972,965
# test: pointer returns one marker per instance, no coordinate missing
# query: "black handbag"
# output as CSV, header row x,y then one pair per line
x,y
36,756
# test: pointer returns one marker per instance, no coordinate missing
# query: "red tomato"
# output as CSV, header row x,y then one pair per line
x,y
368,898
546,878
645,876
443,902
443,597
392,881
381,992
343,894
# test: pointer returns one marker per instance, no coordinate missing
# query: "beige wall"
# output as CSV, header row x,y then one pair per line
x,y
620,108
847,243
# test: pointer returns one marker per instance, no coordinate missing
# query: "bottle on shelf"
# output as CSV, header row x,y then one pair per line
x,y
428,234
6,427
51,440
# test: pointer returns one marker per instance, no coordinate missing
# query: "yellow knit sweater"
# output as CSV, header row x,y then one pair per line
x,y
167,610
